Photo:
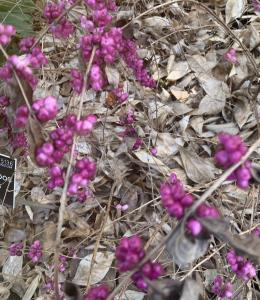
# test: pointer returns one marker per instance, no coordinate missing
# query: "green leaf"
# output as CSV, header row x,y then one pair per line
x,y
18,13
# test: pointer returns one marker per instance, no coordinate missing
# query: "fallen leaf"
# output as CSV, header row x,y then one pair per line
x,y
99,270
153,162
179,94
4,293
230,128
131,295
166,144
112,75
32,288
241,111
179,70
215,100
12,267
234,9
184,249
197,169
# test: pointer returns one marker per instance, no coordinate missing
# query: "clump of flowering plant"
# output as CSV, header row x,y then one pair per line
x,y
128,254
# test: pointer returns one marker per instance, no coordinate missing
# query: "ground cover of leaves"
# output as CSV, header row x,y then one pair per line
x,y
198,95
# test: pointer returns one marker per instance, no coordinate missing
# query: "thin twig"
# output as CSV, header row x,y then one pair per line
x,y
204,196
63,200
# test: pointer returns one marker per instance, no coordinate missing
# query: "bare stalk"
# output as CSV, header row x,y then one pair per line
x,y
63,199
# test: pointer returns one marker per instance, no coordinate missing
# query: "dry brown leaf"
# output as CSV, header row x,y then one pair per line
x,y
12,267
241,111
234,9
32,288
184,248
112,75
99,270
4,293
197,169
179,70
153,162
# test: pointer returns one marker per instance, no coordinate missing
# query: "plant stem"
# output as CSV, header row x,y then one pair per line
x,y
63,199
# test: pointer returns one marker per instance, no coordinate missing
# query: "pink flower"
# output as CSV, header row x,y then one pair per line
x,y
35,252
231,150
231,56
6,32
100,292
21,116
45,109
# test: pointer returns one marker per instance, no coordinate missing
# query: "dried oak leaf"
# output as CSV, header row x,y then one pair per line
x,y
248,245
197,169
174,289
184,248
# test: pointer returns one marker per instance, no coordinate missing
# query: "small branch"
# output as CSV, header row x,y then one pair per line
x,y
63,200
204,196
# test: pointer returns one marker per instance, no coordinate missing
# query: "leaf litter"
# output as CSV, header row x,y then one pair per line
x,y
198,96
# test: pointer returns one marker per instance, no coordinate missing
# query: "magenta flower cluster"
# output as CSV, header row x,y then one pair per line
x,y
100,292
128,254
19,140
35,251
4,101
56,177
6,33
22,67
61,139
256,5
176,200
21,116
45,109
230,151
222,289
26,44
16,249
110,45
231,56
150,270
256,231
63,28
242,267
120,95
63,263
76,80
34,55
85,170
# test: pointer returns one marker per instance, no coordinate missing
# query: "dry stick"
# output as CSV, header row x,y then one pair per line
x,y
100,235
247,52
204,196
55,21
63,199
